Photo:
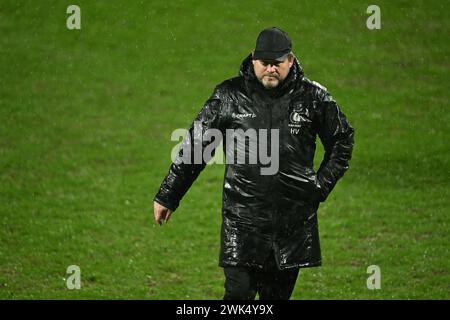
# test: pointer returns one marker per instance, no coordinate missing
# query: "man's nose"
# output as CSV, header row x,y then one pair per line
x,y
271,68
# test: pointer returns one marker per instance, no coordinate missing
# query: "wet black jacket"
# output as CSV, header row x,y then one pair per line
x,y
278,212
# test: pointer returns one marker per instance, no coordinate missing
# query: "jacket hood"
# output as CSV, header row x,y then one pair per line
x,y
294,76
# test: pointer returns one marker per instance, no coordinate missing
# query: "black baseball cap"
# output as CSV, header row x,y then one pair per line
x,y
272,44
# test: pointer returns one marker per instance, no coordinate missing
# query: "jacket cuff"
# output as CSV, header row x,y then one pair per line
x,y
322,191
165,204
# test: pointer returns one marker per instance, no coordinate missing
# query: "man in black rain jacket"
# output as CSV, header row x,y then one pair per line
x,y
269,209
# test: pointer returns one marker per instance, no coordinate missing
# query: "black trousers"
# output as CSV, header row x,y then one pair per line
x,y
242,283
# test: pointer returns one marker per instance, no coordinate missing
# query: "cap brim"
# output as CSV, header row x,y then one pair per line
x,y
271,55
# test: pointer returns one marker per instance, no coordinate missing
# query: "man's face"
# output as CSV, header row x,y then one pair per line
x,y
271,72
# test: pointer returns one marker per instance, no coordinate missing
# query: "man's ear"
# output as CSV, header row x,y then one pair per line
x,y
291,59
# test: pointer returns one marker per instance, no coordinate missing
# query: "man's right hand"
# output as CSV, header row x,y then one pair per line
x,y
162,214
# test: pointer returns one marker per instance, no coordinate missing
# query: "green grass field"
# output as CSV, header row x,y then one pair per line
x,y
86,117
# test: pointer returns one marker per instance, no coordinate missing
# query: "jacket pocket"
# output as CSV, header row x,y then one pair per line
x,y
300,187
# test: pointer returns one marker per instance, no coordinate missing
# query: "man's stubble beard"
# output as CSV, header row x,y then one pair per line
x,y
270,84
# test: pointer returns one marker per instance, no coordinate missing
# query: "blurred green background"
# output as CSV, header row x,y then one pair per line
x,y
86,117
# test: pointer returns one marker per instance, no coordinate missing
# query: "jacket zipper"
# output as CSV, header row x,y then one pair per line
x,y
272,207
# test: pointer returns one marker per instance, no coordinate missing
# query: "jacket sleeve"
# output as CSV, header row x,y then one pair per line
x,y
187,166
336,135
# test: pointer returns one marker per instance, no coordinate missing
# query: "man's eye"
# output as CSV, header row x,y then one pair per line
x,y
266,63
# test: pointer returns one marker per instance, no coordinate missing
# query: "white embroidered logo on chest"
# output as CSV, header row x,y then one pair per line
x,y
296,121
